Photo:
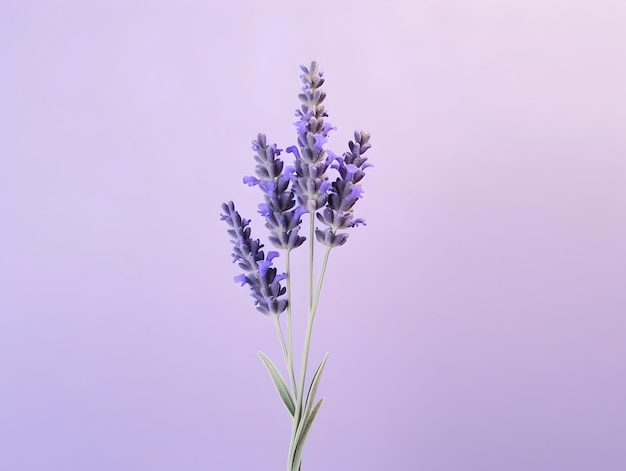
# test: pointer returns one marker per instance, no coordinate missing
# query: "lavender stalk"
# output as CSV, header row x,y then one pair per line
x,y
290,192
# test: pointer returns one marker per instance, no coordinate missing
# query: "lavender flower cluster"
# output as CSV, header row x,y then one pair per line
x,y
345,192
282,217
257,268
290,192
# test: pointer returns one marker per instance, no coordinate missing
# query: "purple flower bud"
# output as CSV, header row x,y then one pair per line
x,y
355,157
327,237
251,181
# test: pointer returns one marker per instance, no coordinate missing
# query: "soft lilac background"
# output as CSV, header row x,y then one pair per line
x,y
477,322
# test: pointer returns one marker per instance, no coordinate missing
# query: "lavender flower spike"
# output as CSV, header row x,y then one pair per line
x,y
282,217
257,269
310,184
345,192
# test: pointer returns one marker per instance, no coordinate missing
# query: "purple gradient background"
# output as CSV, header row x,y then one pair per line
x,y
477,322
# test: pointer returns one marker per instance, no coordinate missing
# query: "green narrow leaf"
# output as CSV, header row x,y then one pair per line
x,y
308,421
307,412
279,382
315,382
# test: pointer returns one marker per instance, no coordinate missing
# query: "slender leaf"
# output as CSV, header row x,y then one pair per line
x,y
310,398
308,413
315,382
308,422
279,382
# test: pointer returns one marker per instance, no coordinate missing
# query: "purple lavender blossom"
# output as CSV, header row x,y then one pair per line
x,y
344,193
310,185
258,271
282,217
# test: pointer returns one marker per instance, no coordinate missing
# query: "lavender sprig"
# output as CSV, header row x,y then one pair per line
x,y
282,216
288,194
257,268
345,191
311,159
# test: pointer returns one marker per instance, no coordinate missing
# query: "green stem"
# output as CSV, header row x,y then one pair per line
x,y
319,284
298,412
309,327
298,424
289,325
311,245
281,337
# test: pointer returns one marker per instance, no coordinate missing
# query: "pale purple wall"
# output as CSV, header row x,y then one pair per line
x,y
477,323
